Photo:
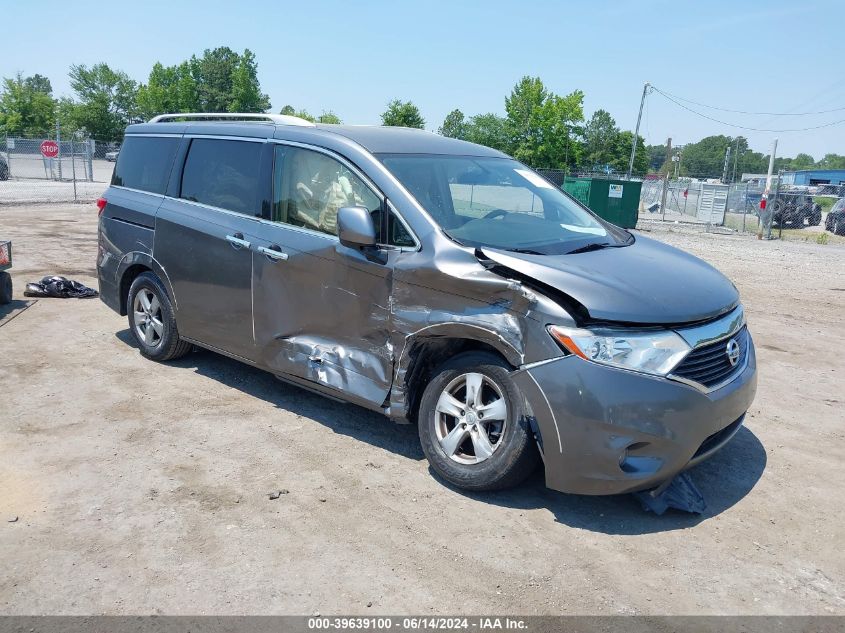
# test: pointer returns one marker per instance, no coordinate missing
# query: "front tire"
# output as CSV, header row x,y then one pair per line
x,y
152,321
473,425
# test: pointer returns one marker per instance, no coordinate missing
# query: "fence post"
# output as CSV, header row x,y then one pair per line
x,y
663,197
772,214
89,154
73,165
59,143
745,205
8,156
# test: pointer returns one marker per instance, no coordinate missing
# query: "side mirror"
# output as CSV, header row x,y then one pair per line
x,y
355,227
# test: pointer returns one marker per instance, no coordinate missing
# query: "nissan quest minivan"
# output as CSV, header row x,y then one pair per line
x,y
436,281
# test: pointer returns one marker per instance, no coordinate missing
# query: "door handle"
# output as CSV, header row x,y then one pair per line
x,y
237,241
273,253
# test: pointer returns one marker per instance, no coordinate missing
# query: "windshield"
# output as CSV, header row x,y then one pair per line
x,y
500,203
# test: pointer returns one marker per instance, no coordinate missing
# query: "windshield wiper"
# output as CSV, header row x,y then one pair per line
x,y
594,246
525,251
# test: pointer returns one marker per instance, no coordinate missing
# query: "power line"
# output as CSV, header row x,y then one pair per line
x,y
745,127
710,107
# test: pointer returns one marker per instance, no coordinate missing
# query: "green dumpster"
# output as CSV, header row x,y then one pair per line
x,y
617,201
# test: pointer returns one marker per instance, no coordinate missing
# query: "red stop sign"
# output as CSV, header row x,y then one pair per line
x,y
49,149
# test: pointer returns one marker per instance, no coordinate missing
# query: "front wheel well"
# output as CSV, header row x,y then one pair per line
x,y
126,280
426,354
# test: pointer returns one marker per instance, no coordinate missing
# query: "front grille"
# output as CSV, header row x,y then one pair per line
x,y
709,365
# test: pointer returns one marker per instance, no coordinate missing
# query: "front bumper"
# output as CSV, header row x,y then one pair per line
x,y
610,431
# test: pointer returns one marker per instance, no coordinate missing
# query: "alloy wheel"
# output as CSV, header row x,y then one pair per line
x,y
149,326
471,416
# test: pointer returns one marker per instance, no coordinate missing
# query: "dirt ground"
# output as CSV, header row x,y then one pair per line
x,y
142,488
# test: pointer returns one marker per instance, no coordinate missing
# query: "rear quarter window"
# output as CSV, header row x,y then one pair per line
x,y
223,174
144,162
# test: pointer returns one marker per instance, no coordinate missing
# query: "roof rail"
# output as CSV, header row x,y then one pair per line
x,y
279,119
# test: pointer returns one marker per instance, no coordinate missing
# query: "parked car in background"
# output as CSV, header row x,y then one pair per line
x,y
796,209
435,281
835,220
836,191
112,156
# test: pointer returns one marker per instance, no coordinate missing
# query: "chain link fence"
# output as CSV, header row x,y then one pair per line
x,y
54,169
814,214
789,213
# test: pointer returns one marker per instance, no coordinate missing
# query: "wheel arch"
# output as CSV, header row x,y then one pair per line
x,y
133,264
428,348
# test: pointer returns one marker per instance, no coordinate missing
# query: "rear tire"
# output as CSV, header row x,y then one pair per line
x,y
5,288
473,425
152,321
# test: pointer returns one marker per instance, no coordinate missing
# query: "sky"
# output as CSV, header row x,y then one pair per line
x,y
353,57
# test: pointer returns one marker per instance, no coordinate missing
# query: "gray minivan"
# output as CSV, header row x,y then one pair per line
x,y
436,281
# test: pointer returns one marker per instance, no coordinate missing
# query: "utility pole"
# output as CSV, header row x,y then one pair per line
x,y
666,179
736,155
771,168
646,89
764,201
727,163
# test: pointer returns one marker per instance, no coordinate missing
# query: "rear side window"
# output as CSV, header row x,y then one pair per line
x,y
222,174
144,162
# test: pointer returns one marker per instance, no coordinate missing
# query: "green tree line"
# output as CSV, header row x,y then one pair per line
x,y
544,129
539,127
106,100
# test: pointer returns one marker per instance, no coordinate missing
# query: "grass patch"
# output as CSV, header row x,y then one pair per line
x,y
812,237
825,202
734,221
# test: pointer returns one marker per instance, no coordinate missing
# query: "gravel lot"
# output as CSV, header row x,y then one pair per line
x,y
141,488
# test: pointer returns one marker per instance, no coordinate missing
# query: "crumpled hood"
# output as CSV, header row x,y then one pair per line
x,y
647,282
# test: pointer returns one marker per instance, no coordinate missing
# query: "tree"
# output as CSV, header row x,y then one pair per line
x,y
246,90
213,73
289,110
563,133
706,158
601,139
543,127
524,109
107,100
329,117
39,83
219,81
27,107
161,93
803,161
831,161
488,129
454,125
621,153
402,114
656,156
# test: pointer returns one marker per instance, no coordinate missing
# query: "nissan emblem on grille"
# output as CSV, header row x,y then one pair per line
x,y
733,352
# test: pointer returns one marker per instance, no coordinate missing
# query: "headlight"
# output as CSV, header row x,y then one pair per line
x,y
651,352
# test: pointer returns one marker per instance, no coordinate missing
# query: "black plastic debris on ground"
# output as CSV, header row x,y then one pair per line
x,y
681,494
59,288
